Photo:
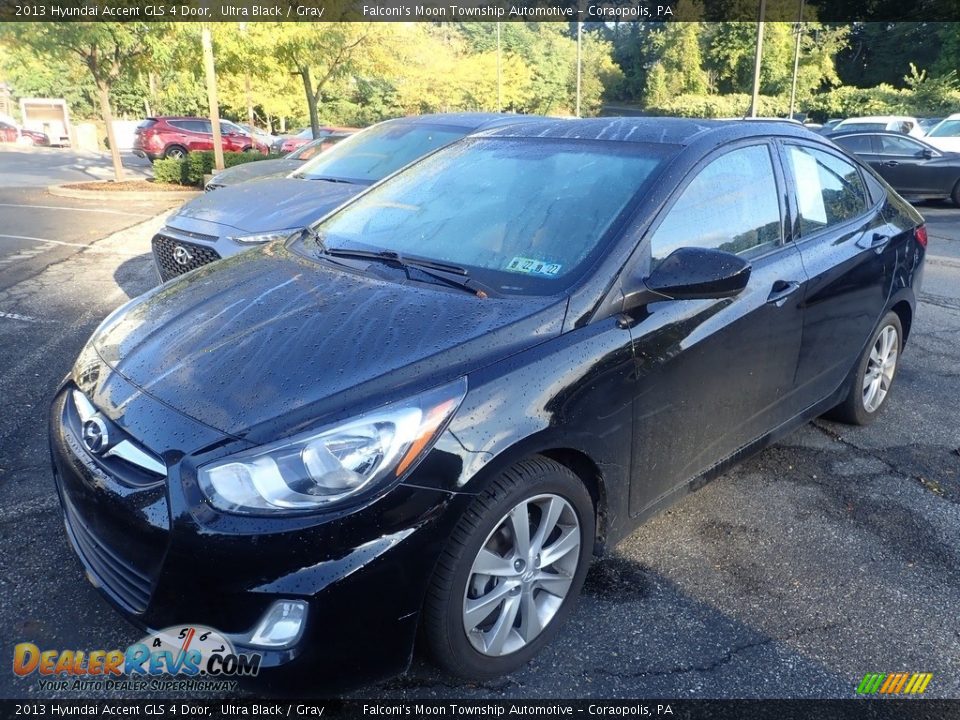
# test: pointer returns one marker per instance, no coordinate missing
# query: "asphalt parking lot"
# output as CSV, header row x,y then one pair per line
x,y
832,554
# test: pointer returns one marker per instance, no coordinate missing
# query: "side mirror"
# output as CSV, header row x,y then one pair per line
x,y
691,274
927,153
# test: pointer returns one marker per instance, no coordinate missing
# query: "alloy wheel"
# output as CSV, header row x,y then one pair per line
x,y
881,367
521,575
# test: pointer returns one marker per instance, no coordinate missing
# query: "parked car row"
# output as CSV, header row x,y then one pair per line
x,y
277,167
913,167
238,216
10,133
174,137
461,356
289,143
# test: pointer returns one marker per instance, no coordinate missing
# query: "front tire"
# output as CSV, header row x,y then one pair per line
x,y
876,370
511,571
175,152
955,195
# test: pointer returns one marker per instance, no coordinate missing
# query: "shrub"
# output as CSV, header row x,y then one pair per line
x,y
719,106
170,170
200,163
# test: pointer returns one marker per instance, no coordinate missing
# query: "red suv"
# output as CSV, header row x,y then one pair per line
x,y
174,137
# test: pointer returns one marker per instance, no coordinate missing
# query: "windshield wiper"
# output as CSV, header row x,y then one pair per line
x,y
304,176
453,275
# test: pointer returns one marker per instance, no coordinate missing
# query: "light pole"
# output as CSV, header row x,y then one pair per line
x,y
499,74
757,60
796,60
579,65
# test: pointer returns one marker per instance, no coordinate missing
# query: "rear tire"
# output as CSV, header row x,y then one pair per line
x,y
876,370
955,195
175,152
497,598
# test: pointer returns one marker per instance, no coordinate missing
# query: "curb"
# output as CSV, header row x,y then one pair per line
x,y
943,260
65,190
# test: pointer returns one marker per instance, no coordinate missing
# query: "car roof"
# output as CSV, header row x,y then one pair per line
x,y
876,118
659,130
472,121
886,133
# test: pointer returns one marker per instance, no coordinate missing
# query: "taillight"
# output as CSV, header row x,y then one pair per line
x,y
920,235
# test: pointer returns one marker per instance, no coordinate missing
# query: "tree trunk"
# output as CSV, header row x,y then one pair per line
x,y
249,92
311,100
103,92
211,76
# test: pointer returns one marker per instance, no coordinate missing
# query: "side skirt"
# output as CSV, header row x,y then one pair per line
x,y
735,458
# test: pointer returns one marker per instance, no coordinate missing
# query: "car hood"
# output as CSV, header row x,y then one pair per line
x,y
256,169
267,204
268,341
946,144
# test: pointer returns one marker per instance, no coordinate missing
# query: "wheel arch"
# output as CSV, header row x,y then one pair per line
x,y
904,311
599,479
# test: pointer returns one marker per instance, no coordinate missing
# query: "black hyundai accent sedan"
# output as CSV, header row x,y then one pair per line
x,y
423,416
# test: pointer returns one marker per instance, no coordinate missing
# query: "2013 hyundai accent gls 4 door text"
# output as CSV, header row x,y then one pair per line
x,y
422,417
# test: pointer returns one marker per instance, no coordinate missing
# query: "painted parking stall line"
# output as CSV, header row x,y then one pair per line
x,y
90,247
105,211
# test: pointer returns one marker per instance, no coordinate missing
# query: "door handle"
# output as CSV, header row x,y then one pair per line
x,y
890,163
781,290
878,242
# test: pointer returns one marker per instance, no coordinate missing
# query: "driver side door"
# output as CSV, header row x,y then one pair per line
x,y
902,163
714,375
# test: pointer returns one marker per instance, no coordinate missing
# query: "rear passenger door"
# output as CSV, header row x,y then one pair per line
x,y
845,245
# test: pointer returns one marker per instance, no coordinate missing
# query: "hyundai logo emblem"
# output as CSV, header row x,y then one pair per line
x,y
95,436
181,255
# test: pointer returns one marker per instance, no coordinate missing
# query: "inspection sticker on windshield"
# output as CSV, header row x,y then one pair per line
x,y
529,266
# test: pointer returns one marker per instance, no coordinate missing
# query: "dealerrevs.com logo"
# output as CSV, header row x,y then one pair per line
x,y
191,657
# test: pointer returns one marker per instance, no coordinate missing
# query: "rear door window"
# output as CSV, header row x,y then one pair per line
x,y
900,146
829,189
194,126
862,144
731,205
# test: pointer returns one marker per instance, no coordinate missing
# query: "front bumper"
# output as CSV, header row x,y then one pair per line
x,y
164,559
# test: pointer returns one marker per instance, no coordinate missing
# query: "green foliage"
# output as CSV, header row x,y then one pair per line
x,y
200,163
923,96
732,105
171,170
191,169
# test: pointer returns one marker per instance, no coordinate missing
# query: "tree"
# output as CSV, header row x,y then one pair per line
x,y
106,49
321,53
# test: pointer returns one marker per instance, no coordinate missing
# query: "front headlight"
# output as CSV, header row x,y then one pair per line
x,y
314,470
265,237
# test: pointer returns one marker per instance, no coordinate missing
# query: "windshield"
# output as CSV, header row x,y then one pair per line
x,y
523,216
373,154
948,128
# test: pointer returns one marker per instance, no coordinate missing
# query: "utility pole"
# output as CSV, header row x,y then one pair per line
x,y
211,76
499,74
758,58
579,65
248,88
796,60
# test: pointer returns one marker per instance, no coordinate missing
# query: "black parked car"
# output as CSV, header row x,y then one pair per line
x,y
433,409
913,168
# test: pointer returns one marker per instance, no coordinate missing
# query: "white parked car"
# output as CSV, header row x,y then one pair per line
x,y
882,123
945,135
